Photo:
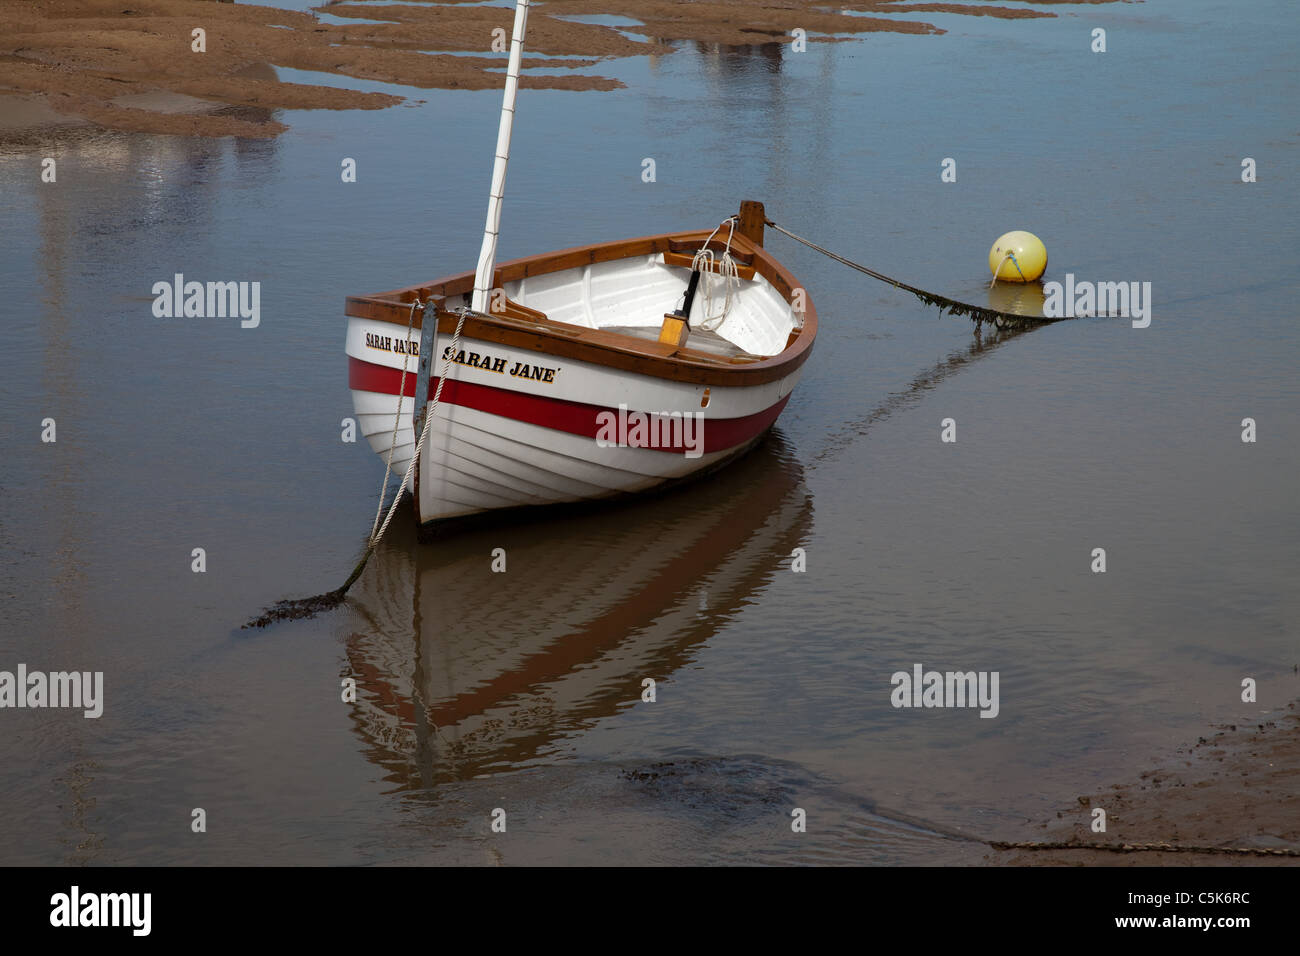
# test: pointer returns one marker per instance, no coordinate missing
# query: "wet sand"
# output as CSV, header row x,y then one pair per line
x,y
1237,786
75,62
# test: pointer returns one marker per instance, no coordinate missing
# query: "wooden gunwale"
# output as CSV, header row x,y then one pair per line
x,y
609,349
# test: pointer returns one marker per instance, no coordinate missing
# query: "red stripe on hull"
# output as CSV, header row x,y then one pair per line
x,y
576,418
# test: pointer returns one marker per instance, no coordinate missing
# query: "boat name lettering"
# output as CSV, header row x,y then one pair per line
x,y
502,366
386,343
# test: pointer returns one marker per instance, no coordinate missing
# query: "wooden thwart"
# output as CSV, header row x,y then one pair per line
x,y
686,259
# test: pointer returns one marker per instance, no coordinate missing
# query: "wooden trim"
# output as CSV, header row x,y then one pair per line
x,y
609,349
516,310
752,220
685,259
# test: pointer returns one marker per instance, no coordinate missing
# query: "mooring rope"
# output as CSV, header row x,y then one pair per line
x,y
1143,848
296,608
392,446
429,412
1076,844
1012,256
978,314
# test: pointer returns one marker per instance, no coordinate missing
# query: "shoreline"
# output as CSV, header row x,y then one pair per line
x,y
67,63
1237,787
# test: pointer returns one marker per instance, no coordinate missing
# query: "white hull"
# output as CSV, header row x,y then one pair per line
x,y
571,397
480,460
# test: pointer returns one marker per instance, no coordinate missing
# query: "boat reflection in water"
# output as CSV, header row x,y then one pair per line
x,y
464,671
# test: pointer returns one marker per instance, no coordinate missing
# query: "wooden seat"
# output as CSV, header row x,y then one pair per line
x,y
702,343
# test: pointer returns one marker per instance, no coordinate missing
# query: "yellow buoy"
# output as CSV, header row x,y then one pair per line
x,y
1018,256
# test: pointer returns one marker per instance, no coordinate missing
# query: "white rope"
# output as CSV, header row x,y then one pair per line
x,y
429,412
1012,256
392,447
727,270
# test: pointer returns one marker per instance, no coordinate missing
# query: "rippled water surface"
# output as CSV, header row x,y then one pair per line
x,y
522,691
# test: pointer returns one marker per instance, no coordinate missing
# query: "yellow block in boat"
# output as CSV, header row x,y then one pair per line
x,y
1018,256
674,331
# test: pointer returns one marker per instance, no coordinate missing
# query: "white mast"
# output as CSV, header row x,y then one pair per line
x,y
487,257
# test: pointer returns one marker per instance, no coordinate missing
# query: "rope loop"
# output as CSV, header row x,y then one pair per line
x,y
727,271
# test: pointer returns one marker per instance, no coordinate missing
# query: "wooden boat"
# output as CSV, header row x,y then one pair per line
x,y
567,394
570,376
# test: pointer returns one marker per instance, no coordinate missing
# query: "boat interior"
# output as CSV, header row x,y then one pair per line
x,y
629,297
624,300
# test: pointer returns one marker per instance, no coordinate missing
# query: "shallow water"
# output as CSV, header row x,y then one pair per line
x,y
522,691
